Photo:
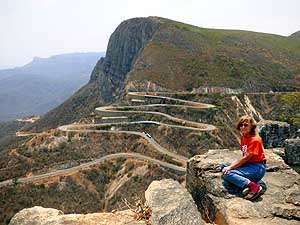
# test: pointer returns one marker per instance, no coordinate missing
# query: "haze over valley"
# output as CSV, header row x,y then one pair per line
x,y
43,84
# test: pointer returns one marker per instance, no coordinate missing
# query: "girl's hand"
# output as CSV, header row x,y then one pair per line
x,y
226,169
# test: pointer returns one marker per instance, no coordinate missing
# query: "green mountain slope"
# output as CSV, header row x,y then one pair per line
x,y
183,57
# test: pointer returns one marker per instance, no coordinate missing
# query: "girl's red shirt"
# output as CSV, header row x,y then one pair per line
x,y
253,144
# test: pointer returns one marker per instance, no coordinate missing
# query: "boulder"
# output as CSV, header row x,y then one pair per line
x,y
223,204
292,151
46,216
273,133
171,204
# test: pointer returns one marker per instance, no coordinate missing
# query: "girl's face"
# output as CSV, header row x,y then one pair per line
x,y
245,128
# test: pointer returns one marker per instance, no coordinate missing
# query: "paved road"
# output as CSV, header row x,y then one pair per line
x,y
118,109
88,164
86,128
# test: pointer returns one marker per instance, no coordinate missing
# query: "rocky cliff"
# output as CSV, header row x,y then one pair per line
x,y
292,151
273,133
169,203
223,204
124,46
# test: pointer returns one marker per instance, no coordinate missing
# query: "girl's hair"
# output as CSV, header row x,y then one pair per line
x,y
247,120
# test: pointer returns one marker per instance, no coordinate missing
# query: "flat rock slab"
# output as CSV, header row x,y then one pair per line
x,y
46,216
171,204
222,203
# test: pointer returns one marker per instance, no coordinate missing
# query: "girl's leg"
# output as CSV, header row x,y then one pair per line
x,y
241,176
224,165
236,177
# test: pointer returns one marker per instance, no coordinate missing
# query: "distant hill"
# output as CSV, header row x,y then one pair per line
x,y
43,84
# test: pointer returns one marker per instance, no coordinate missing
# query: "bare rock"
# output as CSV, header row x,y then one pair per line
x,y
292,151
46,216
225,205
171,204
273,133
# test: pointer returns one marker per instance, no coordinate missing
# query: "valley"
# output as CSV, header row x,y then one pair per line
x,y
164,92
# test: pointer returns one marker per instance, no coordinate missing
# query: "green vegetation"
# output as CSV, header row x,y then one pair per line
x,y
195,57
290,111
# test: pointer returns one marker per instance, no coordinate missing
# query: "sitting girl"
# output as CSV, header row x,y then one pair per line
x,y
247,172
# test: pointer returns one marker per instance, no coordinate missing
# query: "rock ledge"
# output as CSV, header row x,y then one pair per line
x,y
279,205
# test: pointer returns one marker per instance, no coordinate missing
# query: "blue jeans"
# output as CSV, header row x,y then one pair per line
x,y
242,175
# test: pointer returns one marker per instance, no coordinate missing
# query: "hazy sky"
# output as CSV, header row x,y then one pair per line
x,y
47,27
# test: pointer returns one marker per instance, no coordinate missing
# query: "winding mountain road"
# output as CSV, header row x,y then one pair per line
x,y
88,128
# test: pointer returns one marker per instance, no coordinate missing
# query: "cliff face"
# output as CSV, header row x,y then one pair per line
x,y
273,133
292,151
124,46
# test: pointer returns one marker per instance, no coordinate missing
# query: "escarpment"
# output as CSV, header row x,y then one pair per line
x,y
124,46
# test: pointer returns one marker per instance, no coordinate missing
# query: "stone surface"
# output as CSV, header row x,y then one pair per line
x,y
273,133
171,204
46,216
292,151
279,205
124,47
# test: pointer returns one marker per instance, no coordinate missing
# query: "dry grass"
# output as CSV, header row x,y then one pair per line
x,y
141,210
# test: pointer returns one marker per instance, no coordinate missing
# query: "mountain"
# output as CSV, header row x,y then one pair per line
x,y
150,54
241,72
43,83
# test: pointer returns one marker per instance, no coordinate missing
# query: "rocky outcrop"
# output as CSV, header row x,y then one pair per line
x,y
273,133
40,216
171,204
124,45
292,151
279,205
